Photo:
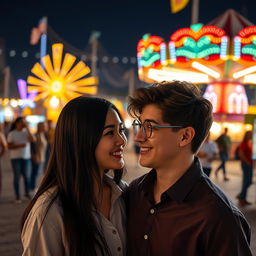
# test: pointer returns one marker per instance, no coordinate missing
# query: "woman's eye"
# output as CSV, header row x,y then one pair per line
x,y
109,133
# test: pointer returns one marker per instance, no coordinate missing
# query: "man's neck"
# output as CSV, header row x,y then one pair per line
x,y
167,177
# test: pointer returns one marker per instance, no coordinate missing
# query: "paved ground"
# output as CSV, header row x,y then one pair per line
x,y
11,213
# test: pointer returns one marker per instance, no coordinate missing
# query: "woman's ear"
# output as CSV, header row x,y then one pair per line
x,y
187,136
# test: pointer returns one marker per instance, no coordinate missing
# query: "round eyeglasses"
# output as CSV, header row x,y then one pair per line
x,y
147,127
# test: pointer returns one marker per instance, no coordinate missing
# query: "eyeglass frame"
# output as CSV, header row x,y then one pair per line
x,y
151,127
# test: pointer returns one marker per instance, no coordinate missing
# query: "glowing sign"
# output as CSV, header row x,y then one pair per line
x,y
151,51
206,44
58,82
245,46
228,98
27,98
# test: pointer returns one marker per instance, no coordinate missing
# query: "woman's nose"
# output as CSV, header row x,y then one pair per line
x,y
122,140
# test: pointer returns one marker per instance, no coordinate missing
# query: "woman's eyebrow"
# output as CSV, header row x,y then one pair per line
x,y
109,126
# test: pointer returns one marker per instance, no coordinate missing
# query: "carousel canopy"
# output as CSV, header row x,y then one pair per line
x,y
231,21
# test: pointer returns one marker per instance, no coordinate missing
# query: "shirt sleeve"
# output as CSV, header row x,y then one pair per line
x,y
42,238
10,137
228,236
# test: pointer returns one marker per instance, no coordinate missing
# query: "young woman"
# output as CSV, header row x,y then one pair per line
x,y
78,208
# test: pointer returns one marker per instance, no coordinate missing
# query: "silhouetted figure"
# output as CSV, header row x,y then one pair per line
x,y
224,144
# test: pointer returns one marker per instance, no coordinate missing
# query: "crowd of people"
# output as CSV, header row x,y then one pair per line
x,y
83,207
28,153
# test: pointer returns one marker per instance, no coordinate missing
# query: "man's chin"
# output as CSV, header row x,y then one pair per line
x,y
145,164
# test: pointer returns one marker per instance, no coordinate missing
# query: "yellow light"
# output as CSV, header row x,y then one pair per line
x,y
57,50
54,102
39,71
252,110
14,103
215,128
56,86
250,79
171,74
235,128
5,102
8,114
244,72
20,102
69,60
248,127
205,69
61,79
48,66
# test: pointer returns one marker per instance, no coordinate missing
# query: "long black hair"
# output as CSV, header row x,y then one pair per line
x,y
73,169
14,124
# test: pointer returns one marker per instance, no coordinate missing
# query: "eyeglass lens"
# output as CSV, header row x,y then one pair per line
x,y
146,128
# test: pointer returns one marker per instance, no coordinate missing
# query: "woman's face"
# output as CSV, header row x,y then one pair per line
x,y
20,124
109,151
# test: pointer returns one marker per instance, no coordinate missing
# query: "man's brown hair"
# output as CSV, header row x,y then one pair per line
x,y
181,104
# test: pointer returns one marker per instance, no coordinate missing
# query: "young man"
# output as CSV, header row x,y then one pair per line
x,y
175,209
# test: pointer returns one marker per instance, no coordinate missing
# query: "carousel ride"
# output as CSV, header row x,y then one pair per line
x,y
222,63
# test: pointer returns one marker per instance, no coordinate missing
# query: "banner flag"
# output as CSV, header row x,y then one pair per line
x,y
178,5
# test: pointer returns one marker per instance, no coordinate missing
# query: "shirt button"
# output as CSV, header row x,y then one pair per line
x,y
146,237
152,211
119,249
114,231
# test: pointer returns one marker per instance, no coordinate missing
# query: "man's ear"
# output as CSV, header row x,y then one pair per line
x,y
187,136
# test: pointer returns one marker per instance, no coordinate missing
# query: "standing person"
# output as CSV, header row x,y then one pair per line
x,y
175,209
38,150
245,155
19,139
207,153
78,208
224,145
3,149
49,134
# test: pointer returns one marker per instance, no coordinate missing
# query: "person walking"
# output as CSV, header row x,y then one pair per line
x,y
224,145
245,155
38,153
19,139
78,208
207,153
175,209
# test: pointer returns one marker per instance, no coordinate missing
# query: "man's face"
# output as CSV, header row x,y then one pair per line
x,y
162,148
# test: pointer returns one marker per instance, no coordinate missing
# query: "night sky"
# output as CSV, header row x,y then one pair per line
x,y
121,23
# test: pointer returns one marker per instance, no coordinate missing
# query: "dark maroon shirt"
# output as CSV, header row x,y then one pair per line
x,y
194,218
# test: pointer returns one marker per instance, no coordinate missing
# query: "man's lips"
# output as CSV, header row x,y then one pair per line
x,y
144,150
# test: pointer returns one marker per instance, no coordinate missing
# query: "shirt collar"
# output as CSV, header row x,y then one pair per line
x,y
181,188
116,190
